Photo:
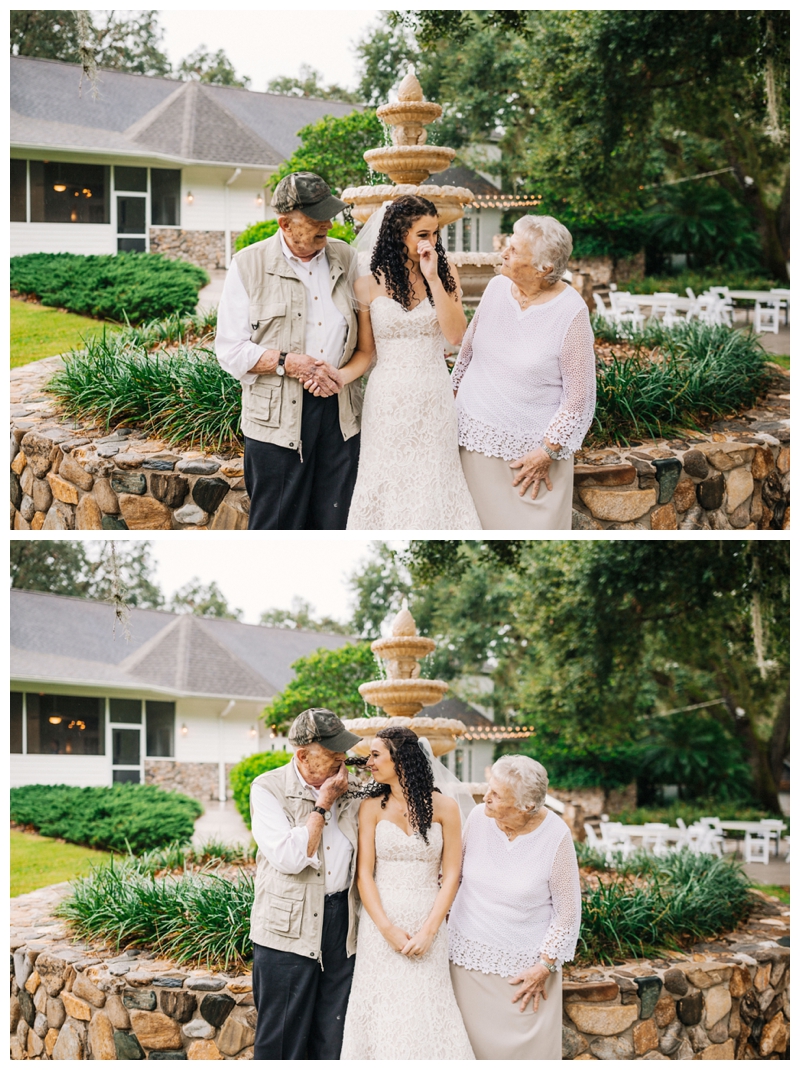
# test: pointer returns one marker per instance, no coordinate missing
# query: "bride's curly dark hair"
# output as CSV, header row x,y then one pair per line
x,y
389,255
414,773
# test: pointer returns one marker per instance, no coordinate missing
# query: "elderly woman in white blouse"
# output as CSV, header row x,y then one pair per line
x,y
515,918
525,384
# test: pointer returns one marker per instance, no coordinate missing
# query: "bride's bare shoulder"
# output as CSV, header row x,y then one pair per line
x,y
443,806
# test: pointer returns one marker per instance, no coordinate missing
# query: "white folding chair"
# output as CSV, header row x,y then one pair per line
x,y
653,837
591,837
766,317
715,838
725,304
783,293
615,840
602,310
690,293
663,303
756,848
625,311
773,827
788,852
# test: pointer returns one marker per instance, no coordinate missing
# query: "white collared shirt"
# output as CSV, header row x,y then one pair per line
x,y
286,847
326,327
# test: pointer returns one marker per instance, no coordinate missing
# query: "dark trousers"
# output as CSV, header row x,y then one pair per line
x,y
301,1007
287,493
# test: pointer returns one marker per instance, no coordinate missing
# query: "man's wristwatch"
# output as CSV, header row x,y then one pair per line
x,y
326,814
280,370
554,455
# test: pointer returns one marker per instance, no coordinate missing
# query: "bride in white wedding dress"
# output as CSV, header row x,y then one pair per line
x,y
409,306
402,1004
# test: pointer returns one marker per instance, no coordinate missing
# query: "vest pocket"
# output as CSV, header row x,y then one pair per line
x,y
285,912
264,404
262,320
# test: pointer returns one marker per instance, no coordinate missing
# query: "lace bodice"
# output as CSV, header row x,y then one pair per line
x,y
409,471
518,899
522,375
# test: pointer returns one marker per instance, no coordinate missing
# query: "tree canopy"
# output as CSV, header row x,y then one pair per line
x,y
328,678
309,83
334,149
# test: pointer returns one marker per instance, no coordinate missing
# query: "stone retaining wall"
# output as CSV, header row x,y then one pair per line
x,y
200,780
206,248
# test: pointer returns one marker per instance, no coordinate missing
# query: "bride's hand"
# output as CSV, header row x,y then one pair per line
x,y
418,944
428,260
396,937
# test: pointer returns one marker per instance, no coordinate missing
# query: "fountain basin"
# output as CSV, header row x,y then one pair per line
x,y
409,111
403,646
403,698
441,732
409,163
449,200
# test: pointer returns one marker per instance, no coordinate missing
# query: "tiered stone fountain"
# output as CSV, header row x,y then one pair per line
x,y
409,160
403,693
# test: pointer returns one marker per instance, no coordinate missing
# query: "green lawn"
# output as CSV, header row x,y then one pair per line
x,y
37,861
37,331
774,889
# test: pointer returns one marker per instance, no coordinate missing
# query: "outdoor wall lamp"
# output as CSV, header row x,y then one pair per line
x,y
184,730
59,187
189,197
259,200
253,732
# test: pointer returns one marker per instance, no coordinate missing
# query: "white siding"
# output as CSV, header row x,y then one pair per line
x,y
211,738
85,238
77,770
207,210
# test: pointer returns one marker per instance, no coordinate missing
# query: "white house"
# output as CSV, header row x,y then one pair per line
x,y
177,704
149,164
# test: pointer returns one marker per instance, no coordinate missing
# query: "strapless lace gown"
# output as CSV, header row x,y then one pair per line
x,y
404,1008
409,470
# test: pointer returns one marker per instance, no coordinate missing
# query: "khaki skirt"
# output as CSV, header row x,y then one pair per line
x,y
499,504
495,1026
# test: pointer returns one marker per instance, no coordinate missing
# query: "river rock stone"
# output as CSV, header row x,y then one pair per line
x,y
39,451
695,464
774,1036
668,472
208,493
139,1001
40,1026
70,1043
718,1003
739,486
14,1015
698,1037
710,491
56,1015
129,460
199,1029
87,515
234,1036
238,985
572,1043
26,481
84,988
34,1045
197,467
203,1049
580,521
52,971
50,1038
619,505
128,483
649,992
16,491
76,1008
664,518
168,982
105,496
27,1009
40,1000
216,1007
761,979
158,464
718,1033
116,1012
191,514
114,523
179,1005
763,462
232,516
107,449
32,984
664,1011
127,1046
19,462
719,1051
62,490
168,1055
606,475
727,455
27,508
42,495
205,984
645,1036
71,470
169,489
155,1030
101,1037
612,1047
671,1037
604,1021
60,517
690,1008
144,514
589,991
706,974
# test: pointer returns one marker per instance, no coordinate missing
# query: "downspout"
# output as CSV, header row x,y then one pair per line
x,y
228,185
221,791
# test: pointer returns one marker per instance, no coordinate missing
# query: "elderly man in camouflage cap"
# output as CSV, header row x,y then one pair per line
x,y
287,317
303,922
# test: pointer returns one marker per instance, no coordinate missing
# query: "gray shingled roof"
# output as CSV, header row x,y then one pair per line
x,y
457,710
72,640
134,113
464,176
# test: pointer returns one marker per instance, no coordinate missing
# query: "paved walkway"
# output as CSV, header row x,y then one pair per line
x,y
221,821
209,296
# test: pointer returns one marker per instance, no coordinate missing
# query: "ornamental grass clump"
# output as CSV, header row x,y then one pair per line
x,y
198,918
664,380
683,898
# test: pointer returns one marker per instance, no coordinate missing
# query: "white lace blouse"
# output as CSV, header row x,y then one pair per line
x,y
522,375
519,899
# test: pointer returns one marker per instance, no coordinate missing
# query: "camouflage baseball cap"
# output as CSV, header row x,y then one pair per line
x,y
323,727
307,193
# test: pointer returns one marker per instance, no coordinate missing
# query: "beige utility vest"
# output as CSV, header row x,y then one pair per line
x,y
288,907
272,406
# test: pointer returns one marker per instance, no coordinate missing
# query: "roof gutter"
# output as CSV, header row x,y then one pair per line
x,y
141,153
136,686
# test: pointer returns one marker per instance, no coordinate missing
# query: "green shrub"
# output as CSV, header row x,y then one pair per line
x,y
200,918
699,373
135,817
679,900
725,810
244,773
699,281
267,227
128,286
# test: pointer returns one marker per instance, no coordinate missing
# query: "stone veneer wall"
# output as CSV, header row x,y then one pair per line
x,y
200,780
712,1006
206,248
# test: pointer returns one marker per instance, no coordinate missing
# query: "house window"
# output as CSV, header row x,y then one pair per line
x,y
165,197
125,710
69,192
16,722
160,729
131,179
466,232
65,724
451,238
19,191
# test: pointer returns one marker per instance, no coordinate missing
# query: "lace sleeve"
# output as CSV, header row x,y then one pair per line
x,y
565,889
576,411
465,355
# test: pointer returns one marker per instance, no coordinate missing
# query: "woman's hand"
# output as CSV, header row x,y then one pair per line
x,y
533,982
396,937
533,468
428,260
418,944
324,380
